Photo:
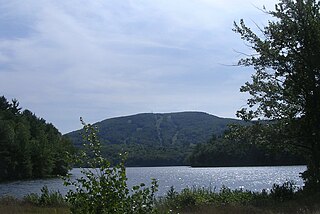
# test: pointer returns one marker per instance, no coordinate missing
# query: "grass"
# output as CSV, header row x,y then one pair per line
x,y
281,199
284,207
48,202
291,207
10,205
284,198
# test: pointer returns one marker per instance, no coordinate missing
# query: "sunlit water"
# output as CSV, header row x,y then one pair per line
x,y
250,178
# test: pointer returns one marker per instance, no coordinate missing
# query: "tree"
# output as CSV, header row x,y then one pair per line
x,y
285,87
7,163
103,188
29,147
15,109
227,152
23,154
4,104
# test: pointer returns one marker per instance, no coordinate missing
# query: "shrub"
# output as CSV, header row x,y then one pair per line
x,y
195,198
171,193
102,188
283,192
47,198
32,198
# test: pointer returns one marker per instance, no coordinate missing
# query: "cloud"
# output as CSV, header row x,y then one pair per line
x,y
98,59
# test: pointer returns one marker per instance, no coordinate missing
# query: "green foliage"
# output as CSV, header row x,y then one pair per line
x,y
32,198
102,188
196,198
193,198
47,198
227,152
283,192
29,147
148,155
286,85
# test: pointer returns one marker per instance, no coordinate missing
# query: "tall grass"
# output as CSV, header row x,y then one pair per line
x,y
11,205
46,198
285,198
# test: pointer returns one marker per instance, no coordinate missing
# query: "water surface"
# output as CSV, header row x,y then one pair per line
x,y
250,178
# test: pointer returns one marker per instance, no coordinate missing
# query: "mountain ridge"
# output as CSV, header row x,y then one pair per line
x,y
176,121
157,138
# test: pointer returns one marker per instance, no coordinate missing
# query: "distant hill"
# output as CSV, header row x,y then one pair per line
x,y
157,139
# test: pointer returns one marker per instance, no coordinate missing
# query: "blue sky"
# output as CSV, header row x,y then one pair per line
x,y
107,58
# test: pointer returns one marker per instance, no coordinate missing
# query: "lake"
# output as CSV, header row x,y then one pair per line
x,y
250,178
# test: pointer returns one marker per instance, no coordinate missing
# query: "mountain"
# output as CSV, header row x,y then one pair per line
x,y
156,139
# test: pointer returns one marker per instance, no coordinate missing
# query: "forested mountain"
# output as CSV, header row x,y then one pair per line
x,y
184,138
183,128
157,139
29,147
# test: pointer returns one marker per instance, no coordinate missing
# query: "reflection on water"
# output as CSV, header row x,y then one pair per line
x,y
251,178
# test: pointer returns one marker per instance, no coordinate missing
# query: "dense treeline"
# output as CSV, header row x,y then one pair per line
x,y
29,147
142,155
226,152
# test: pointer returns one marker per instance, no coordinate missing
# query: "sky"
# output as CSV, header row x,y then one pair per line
x,y
100,59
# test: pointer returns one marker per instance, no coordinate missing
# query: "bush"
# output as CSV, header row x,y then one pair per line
x,y
102,188
195,198
32,198
47,198
283,192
